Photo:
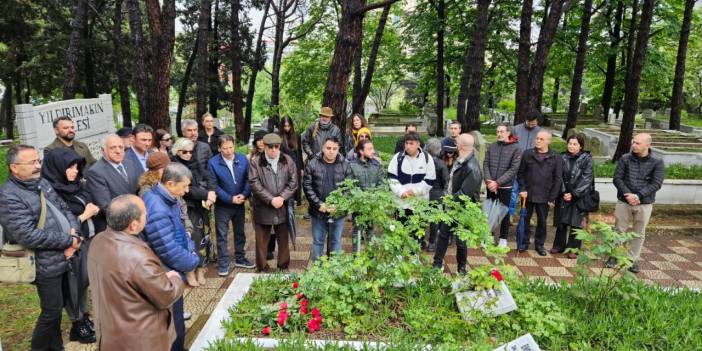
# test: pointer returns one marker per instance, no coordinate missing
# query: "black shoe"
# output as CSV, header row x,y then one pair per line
x,y
611,262
462,271
244,263
634,268
541,251
89,323
80,332
431,247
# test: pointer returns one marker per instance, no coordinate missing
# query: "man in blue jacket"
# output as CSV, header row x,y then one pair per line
x,y
165,233
229,170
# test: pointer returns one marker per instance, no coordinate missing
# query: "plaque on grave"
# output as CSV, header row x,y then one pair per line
x,y
493,302
525,342
93,120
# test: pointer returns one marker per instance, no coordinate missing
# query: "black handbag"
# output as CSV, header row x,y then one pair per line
x,y
589,202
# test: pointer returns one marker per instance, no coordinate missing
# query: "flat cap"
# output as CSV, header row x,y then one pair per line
x,y
272,139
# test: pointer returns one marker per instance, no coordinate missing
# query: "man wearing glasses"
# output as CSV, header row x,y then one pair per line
x,y
35,217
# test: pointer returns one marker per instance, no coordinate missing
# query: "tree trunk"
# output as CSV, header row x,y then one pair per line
x,y
140,78
357,78
372,58
8,114
162,30
447,94
476,61
257,65
235,48
277,55
538,67
576,85
440,72
677,98
182,96
631,41
631,97
202,70
554,96
611,73
215,86
89,62
70,82
522,89
120,70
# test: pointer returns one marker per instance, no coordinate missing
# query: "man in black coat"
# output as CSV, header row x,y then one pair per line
x,y
202,153
35,217
638,177
540,177
111,176
465,179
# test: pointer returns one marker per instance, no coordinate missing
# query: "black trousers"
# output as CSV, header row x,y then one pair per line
x,y
541,214
199,217
504,195
179,324
564,232
47,331
442,247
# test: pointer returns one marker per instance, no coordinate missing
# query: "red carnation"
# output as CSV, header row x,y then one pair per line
x,y
495,273
266,330
303,309
299,296
315,312
284,306
312,325
296,285
282,317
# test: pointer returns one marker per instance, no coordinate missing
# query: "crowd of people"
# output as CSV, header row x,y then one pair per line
x,y
133,225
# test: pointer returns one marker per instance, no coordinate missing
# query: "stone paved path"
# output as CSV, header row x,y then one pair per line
x,y
666,260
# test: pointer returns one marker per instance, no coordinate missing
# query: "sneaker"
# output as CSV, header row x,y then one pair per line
x,y
80,331
502,243
611,262
223,272
187,316
634,268
244,263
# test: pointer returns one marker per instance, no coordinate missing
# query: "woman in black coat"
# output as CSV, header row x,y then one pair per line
x,y
63,168
292,146
578,181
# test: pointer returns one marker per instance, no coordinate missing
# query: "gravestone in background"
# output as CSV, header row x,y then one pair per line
x,y
597,112
582,110
92,119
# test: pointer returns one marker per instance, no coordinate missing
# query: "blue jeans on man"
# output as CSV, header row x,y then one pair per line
x,y
223,216
321,227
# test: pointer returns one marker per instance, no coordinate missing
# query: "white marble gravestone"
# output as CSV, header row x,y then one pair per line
x,y
525,342
92,118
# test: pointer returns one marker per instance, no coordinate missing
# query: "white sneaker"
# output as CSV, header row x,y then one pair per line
x,y
503,243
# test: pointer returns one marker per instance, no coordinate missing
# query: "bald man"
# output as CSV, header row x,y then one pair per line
x,y
465,179
540,176
638,176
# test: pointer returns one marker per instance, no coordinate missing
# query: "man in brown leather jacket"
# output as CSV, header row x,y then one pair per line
x,y
132,294
273,180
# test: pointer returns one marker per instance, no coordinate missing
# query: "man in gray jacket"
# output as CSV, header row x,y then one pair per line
x,y
500,169
526,132
318,132
35,217
638,176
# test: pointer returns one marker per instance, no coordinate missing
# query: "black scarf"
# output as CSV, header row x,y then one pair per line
x,y
53,169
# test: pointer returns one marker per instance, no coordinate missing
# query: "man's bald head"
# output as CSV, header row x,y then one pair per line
x,y
641,144
543,140
465,143
126,213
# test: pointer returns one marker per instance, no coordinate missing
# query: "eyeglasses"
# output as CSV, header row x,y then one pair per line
x,y
363,136
30,163
186,151
166,139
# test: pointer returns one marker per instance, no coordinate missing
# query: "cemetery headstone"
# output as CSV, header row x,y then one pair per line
x,y
582,110
525,342
597,112
647,113
93,120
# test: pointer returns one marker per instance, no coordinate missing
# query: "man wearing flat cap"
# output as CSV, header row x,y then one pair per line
x,y
319,131
273,180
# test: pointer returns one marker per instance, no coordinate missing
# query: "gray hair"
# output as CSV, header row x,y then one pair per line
x,y
182,144
108,137
175,172
547,131
122,211
506,125
433,147
14,151
187,123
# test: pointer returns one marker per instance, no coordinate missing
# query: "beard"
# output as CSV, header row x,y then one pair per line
x,y
68,137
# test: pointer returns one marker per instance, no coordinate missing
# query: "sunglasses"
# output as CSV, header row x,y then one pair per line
x,y
363,136
186,151
166,139
275,146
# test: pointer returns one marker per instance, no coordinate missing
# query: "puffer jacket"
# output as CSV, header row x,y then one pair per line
x,y
369,173
20,207
466,178
165,233
315,135
265,185
540,178
502,161
642,176
321,179
442,177
578,177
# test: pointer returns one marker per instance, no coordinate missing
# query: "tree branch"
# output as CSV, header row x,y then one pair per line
x,y
374,6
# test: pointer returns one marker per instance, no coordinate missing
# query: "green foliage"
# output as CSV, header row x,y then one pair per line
x,y
4,171
674,171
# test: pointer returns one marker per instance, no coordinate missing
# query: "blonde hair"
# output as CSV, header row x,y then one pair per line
x,y
182,144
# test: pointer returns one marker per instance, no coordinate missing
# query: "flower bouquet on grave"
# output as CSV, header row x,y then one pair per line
x,y
293,313
483,291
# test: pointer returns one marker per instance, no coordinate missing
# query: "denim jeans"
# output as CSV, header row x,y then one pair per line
x,y
320,228
223,215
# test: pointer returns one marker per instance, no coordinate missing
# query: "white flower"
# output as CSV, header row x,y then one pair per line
x,y
392,227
